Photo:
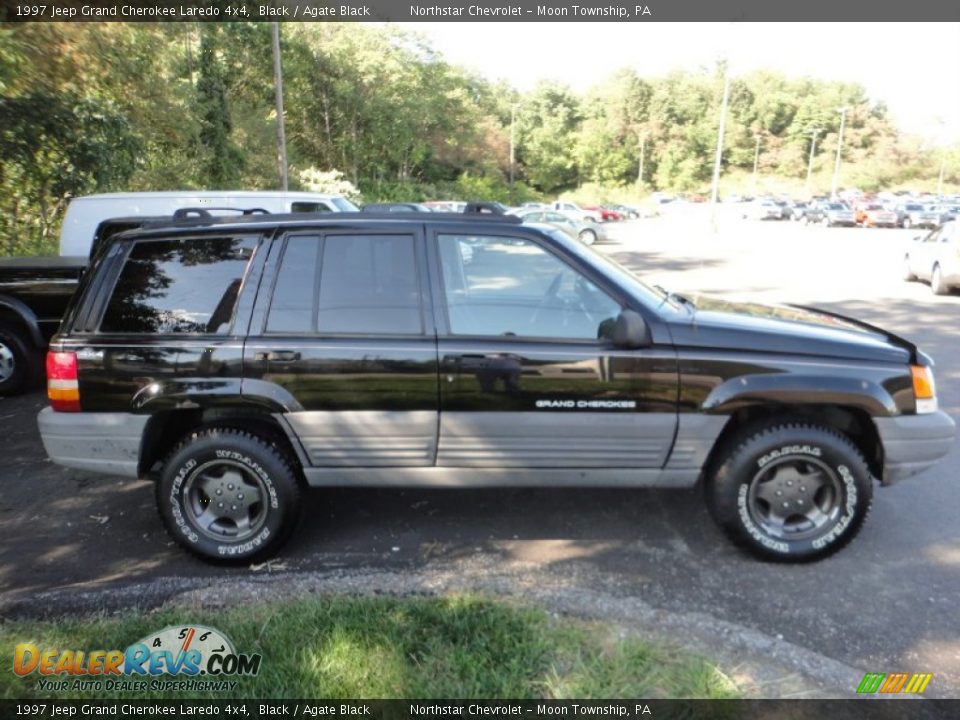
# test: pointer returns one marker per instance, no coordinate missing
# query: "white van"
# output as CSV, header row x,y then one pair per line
x,y
84,214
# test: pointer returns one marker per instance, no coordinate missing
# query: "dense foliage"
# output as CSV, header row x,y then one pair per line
x,y
99,107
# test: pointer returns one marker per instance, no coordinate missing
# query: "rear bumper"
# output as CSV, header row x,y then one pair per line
x,y
106,443
913,443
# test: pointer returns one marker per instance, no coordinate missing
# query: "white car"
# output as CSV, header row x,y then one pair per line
x,y
935,257
84,214
573,210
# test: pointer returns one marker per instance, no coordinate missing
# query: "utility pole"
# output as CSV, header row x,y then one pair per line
x,y
813,146
715,190
756,162
643,148
836,165
513,124
278,87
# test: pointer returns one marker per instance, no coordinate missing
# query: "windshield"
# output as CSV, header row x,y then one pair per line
x,y
621,275
344,205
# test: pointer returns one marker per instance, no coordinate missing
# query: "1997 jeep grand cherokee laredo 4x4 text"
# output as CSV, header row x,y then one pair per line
x,y
237,361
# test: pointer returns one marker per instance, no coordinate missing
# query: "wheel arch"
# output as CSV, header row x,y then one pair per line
x,y
16,313
168,428
854,423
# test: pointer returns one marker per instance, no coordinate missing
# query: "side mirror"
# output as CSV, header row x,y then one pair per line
x,y
631,331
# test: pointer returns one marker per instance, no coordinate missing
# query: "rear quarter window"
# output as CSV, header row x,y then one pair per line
x,y
182,286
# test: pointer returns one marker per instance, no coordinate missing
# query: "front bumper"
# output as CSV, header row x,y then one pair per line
x,y
913,443
105,443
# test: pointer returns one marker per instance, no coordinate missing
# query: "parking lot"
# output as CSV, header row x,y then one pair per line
x,y
885,603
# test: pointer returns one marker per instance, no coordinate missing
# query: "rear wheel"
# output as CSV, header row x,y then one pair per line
x,y
228,496
907,223
588,236
790,492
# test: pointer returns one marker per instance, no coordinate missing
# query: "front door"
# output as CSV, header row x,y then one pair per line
x,y
341,333
528,375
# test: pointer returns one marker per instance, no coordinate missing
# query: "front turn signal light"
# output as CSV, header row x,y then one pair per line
x,y
924,388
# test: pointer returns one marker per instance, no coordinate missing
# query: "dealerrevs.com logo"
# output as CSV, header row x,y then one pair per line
x,y
185,652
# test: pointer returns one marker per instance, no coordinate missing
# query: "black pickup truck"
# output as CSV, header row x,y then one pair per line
x,y
34,293
239,361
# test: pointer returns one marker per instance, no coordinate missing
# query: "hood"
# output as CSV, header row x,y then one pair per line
x,y
788,329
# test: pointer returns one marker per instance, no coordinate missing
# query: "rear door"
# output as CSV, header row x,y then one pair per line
x,y
528,375
340,332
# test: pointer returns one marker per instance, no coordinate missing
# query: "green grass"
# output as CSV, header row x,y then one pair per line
x,y
354,647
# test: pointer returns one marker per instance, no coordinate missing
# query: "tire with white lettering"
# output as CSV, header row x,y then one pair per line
x,y
228,496
790,492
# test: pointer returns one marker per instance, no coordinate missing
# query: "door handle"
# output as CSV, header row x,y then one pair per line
x,y
278,355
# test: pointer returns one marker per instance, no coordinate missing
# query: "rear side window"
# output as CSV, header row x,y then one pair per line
x,y
185,286
368,284
347,284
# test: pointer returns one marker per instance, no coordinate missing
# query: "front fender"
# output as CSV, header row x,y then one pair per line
x,y
798,390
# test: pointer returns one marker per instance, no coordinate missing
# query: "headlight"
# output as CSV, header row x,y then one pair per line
x,y
924,388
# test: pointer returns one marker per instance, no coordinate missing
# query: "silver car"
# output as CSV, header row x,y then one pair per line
x,y
586,232
935,257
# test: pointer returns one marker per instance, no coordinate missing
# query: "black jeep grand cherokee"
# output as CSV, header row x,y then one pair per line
x,y
238,361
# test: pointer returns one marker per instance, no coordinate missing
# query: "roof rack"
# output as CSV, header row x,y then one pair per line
x,y
185,213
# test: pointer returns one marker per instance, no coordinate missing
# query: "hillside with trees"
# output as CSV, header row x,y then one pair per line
x,y
121,107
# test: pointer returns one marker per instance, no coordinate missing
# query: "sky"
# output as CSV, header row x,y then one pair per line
x,y
913,67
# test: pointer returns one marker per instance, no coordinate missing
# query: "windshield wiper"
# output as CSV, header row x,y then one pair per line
x,y
676,297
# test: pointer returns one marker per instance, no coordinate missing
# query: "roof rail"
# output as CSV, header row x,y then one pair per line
x,y
185,213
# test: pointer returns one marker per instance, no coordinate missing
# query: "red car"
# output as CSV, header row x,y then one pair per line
x,y
606,214
875,215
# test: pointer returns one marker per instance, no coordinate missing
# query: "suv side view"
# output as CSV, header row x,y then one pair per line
x,y
239,361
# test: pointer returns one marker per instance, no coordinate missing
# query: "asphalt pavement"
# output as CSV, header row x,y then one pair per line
x,y
73,540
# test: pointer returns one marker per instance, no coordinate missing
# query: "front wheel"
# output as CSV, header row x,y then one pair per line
x,y
588,237
790,492
228,496
19,365
908,273
936,282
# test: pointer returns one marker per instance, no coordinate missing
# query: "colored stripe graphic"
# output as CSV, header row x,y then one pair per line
x,y
893,683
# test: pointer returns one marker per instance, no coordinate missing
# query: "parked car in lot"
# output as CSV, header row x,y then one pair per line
x,y
237,362
935,257
573,210
396,207
605,214
763,210
586,232
875,215
828,214
626,211
915,215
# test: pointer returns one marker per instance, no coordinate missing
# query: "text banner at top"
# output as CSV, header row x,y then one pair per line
x,y
854,11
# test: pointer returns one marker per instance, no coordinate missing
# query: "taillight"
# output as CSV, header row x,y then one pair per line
x,y
63,388
924,388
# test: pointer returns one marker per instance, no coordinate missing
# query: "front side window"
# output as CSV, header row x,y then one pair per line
x,y
512,287
184,286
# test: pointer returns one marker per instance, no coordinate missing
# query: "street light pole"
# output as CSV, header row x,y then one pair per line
x,y
278,88
715,190
836,165
813,146
643,147
756,162
513,123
